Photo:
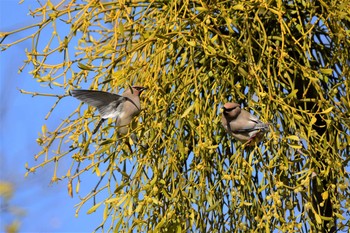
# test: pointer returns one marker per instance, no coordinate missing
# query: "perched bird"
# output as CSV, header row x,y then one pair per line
x,y
241,124
124,107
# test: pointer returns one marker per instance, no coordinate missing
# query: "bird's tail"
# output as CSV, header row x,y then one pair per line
x,y
98,125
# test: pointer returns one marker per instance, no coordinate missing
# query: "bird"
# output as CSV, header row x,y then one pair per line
x,y
123,107
242,125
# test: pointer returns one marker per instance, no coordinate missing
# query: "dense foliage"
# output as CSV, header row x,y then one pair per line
x,y
286,61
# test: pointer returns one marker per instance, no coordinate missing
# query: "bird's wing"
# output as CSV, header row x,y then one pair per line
x,y
251,126
259,125
247,122
105,102
113,109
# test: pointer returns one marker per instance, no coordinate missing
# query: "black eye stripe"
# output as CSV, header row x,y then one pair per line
x,y
230,109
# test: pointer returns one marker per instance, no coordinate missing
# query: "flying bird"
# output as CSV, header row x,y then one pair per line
x,y
123,107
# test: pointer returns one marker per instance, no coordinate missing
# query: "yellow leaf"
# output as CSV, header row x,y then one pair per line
x,y
214,38
97,170
298,117
57,84
293,94
327,110
192,43
248,204
50,5
121,28
201,9
339,216
187,111
115,199
44,129
213,206
325,195
211,49
183,59
293,137
122,199
105,212
139,208
103,149
120,187
242,71
238,7
295,146
318,218
77,187
326,71
313,120
94,208
84,67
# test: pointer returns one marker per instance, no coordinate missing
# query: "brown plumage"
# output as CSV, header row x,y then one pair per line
x,y
242,125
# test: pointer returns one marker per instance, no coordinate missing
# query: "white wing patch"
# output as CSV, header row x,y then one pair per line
x,y
111,110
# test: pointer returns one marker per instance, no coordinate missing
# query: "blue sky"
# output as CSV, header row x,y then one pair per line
x,y
48,207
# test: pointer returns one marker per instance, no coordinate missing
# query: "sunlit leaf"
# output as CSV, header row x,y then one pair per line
x,y
93,208
328,110
187,111
293,137
84,67
177,168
